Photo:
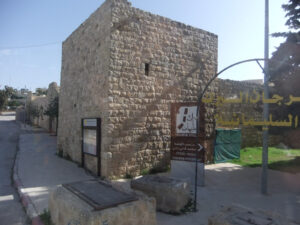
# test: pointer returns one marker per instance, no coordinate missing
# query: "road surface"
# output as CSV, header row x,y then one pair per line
x,y
11,210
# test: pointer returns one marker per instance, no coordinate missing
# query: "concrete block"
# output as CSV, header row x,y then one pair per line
x,y
67,208
171,194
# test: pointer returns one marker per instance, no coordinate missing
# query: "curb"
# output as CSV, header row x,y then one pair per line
x,y
24,197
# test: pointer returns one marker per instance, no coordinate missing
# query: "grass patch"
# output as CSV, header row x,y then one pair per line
x,y
128,176
155,170
46,217
279,159
189,207
60,154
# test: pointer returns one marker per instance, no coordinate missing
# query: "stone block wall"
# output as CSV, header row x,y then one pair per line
x,y
128,66
180,60
85,83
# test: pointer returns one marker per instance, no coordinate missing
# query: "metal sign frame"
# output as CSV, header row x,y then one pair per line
x,y
86,196
97,127
189,142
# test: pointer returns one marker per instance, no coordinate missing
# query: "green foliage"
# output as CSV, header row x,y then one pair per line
x,y
52,110
285,65
41,91
145,172
6,93
13,104
128,176
3,99
279,159
10,91
33,110
155,170
46,217
189,207
293,14
286,58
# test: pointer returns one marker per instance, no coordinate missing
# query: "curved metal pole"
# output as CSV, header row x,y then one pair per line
x,y
198,116
219,73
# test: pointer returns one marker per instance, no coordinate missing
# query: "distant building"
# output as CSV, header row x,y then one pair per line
x,y
24,91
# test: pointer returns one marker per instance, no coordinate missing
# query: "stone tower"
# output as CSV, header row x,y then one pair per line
x,y
127,66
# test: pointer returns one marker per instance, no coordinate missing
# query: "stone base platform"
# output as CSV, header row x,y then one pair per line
x,y
69,208
239,215
171,194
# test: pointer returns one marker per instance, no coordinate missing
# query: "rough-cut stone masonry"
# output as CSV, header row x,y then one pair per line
x,y
251,136
127,66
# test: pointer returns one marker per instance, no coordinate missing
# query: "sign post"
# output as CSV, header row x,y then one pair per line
x,y
187,140
264,176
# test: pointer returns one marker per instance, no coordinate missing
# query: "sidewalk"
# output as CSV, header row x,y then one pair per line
x,y
38,170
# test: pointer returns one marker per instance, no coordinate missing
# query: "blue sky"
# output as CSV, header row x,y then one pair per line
x,y
239,25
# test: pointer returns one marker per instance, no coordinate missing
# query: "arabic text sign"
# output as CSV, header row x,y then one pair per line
x,y
237,120
186,151
252,98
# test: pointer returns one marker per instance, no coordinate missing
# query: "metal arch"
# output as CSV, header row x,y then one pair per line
x,y
198,113
228,67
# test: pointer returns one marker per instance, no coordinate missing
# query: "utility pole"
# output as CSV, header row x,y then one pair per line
x,y
264,176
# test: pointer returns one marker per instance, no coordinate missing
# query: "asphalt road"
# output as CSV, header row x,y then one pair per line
x,y
11,211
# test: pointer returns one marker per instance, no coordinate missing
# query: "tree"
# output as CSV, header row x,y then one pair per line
x,y
52,111
285,63
13,104
3,99
41,91
32,112
6,93
10,91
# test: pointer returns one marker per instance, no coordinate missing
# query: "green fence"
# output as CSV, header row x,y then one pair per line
x,y
227,145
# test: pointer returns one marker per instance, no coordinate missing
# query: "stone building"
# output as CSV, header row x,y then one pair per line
x,y
127,67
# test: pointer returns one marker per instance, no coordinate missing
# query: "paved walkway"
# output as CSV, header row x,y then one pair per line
x,y
11,211
40,170
228,184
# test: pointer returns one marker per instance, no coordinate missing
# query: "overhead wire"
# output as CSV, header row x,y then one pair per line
x,y
29,46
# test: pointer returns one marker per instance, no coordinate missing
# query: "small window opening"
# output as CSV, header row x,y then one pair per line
x,y
147,67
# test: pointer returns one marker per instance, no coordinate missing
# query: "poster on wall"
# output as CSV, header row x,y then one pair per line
x,y
90,122
90,141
